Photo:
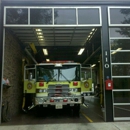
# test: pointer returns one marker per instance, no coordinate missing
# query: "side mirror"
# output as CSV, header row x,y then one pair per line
x,y
30,76
82,79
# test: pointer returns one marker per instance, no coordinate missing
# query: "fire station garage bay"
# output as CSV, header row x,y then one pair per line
x,y
64,62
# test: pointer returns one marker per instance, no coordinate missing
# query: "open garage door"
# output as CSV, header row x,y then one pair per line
x,y
63,31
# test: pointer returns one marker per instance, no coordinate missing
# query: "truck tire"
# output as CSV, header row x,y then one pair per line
x,y
28,102
76,110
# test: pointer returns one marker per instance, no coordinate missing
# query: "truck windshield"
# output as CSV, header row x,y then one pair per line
x,y
50,73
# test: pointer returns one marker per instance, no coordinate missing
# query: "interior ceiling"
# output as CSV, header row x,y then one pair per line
x,y
62,43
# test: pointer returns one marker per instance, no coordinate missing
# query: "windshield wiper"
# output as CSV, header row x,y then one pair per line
x,y
64,77
52,78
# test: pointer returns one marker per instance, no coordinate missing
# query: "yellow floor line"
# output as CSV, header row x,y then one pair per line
x,y
87,117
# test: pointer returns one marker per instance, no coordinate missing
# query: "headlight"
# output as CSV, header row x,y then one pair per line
x,y
73,89
42,90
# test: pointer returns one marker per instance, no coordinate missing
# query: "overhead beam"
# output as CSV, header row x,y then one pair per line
x,y
33,48
30,55
92,55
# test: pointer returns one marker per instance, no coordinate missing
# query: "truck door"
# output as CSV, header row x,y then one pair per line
x,y
86,80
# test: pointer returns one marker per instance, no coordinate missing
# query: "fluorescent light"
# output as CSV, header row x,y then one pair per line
x,y
41,39
93,65
119,49
47,60
40,36
45,51
39,33
116,50
93,29
113,52
81,51
38,30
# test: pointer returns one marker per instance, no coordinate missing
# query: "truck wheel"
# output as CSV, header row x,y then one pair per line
x,y
82,100
28,102
76,110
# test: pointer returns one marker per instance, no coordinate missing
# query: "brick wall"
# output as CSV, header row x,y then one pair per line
x,y
13,71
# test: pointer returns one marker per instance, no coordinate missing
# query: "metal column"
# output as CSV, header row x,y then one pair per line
x,y
106,65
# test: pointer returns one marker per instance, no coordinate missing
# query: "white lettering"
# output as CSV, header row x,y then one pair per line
x,y
106,59
106,53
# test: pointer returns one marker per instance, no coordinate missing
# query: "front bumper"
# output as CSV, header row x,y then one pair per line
x,y
45,101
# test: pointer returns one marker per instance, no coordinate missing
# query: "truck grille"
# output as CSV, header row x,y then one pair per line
x,y
58,90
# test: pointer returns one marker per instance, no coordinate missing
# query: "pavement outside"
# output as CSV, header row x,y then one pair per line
x,y
91,118
72,126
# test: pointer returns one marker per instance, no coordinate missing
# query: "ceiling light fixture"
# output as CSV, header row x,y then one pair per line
x,y
93,65
116,50
41,39
39,33
93,29
81,51
45,51
47,60
40,36
38,30
91,32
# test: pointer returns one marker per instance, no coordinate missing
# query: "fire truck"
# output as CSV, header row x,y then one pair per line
x,y
56,84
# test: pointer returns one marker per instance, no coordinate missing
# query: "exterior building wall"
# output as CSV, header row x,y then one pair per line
x,y
13,71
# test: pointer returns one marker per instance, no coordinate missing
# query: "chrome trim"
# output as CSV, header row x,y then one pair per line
x,y
46,100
